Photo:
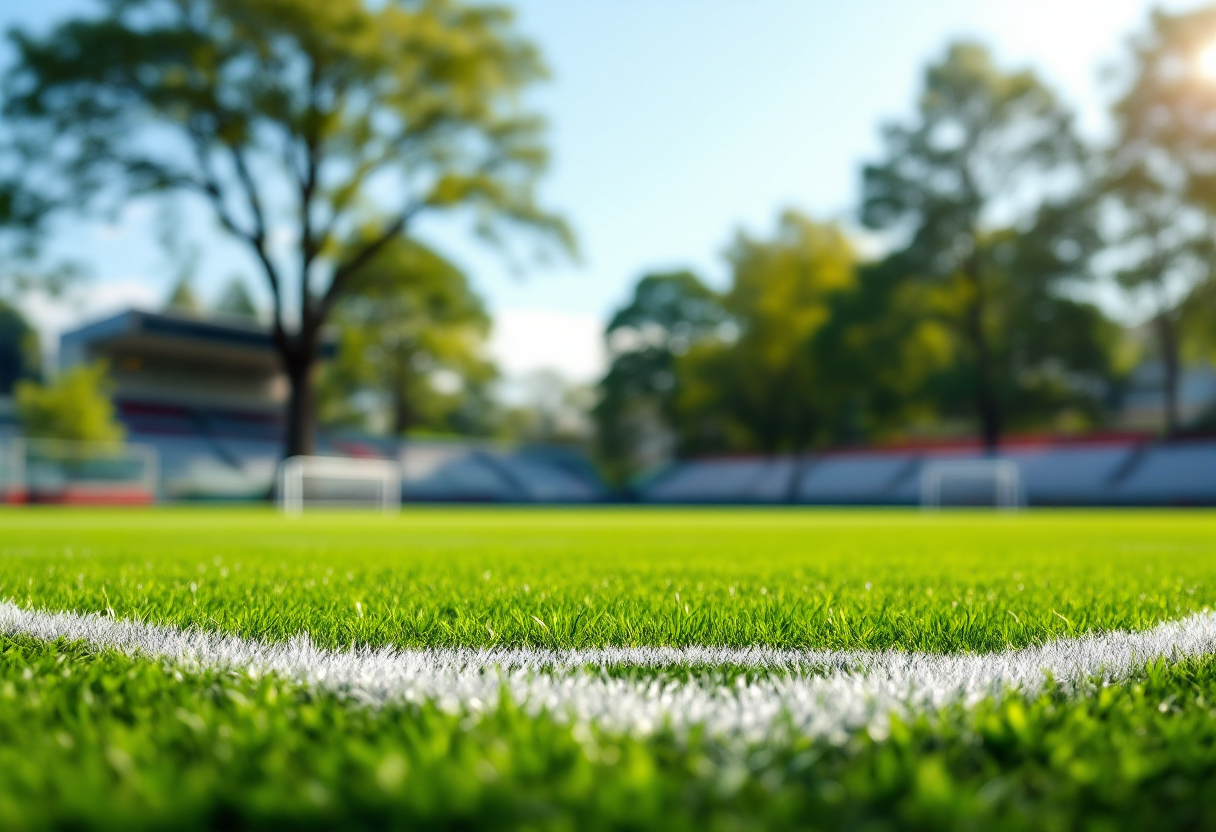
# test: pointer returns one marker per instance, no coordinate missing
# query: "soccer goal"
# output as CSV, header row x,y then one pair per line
x,y
79,473
975,482
338,482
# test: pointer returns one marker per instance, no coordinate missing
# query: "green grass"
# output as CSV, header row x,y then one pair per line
x,y
98,740
579,578
93,739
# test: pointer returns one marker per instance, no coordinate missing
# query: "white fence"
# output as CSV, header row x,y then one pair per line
x,y
61,471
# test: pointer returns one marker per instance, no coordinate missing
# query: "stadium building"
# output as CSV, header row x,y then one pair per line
x,y
208,396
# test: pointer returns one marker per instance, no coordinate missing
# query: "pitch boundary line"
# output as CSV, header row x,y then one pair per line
x,y
821,693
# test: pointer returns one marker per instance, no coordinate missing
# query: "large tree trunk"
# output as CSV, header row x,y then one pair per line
x,y
986,406
300,439
403,415
403,411
1168,341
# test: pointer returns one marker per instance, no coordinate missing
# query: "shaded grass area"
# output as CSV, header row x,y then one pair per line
x,y
586,578
97,740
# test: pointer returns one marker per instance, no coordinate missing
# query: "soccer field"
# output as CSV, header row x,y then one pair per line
x,y
608,668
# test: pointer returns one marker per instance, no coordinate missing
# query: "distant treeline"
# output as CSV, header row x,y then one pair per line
x,y
998,223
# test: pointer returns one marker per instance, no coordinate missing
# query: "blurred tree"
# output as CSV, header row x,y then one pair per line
x,y
412,336
635,415
763,387
983,150
1052,356
1161,184
883,346
336,115
236,302
23,216
75,406
182,299
19,357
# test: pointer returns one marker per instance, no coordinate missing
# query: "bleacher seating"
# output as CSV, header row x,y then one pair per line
x,y
1180,473
1071,475
256,426
748,480
451,473
192,468
542,481
1108,472
466,471
157,419
857,479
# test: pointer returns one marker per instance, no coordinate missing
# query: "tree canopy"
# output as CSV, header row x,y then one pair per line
x,y
236,302
636,411
984,150
1160,184
411,347
19,359
74,406
321,118
763,389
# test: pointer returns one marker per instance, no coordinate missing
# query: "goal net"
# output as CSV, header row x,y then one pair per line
x,y
977,482
79,473
338,482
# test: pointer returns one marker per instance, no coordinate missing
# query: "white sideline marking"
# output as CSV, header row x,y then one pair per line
x,y
820,694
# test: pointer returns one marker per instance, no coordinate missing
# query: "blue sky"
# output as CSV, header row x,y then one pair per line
x,y
674,123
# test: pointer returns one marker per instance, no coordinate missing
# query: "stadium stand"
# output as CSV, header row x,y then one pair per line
x,y
746,480
441,472
1179,473
1071,475
208,396
858,479
1120,470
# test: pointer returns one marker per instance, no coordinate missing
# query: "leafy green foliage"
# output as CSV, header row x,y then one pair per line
x,y
765,390
74,406
236,302
636,414
412,348
984,153
1161,189
19,355
343,115
183,300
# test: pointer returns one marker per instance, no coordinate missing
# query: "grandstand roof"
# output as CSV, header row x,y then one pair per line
x,y
178,334
218,338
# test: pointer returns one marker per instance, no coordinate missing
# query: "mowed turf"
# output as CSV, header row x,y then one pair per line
x,y
93,739
583,578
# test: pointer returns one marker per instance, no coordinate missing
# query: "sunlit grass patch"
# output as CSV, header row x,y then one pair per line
x,y
578,578
96,739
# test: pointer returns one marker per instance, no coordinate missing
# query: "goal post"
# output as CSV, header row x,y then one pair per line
x,y
971,483
338,482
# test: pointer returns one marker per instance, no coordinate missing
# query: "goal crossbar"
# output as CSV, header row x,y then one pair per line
x,y
1003,475
301,480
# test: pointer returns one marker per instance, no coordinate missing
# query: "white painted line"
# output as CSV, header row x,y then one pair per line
x,y
820,693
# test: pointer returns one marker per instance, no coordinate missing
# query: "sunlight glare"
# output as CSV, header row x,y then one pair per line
x,y
1207,62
